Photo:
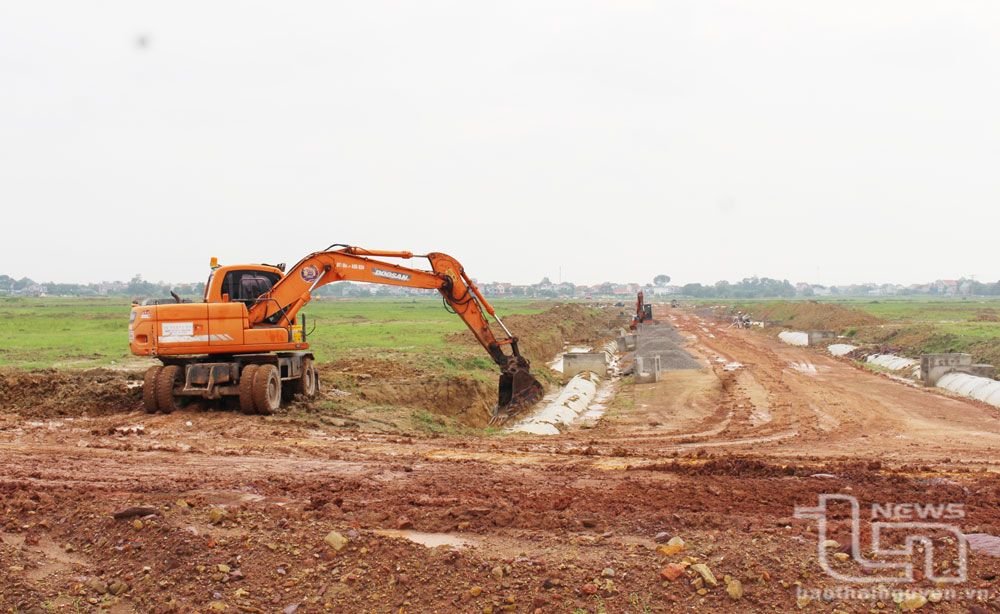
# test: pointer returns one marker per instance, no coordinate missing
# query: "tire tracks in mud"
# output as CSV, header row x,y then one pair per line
x,y
833,407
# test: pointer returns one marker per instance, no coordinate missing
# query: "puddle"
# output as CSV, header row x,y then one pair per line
x,y
430,540
732,366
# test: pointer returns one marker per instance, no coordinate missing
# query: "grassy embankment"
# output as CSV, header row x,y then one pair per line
x,y
917,324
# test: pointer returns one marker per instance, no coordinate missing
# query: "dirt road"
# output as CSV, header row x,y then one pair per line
x,y
257,514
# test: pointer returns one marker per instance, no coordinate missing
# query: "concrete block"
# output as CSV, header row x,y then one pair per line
x,y
933,366
817,337
647,370
626,343
584,362
610,333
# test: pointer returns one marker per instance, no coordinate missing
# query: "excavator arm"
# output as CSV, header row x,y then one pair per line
x,y
518,388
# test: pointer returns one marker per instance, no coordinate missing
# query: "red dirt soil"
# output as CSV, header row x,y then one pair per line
x,y
719,457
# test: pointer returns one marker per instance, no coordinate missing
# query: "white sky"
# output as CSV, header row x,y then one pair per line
x,y
832,142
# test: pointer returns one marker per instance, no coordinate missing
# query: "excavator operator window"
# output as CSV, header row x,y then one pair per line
x,y
246,286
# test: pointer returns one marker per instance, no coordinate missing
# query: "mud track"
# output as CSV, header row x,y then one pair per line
x,y
718,456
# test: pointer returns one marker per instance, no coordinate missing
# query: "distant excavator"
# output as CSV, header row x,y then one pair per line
x,y
247,339
643,312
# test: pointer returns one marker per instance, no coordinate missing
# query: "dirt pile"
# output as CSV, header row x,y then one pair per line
x,y
466,399
928,338
49,392
543,335
360,369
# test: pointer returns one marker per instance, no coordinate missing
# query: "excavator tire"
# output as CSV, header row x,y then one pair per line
x,y
266,390
308,384
166,400
149,389
246,389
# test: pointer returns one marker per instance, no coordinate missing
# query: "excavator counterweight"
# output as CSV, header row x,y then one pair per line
x,y
247,339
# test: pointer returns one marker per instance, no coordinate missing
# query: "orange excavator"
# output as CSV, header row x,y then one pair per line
x,y
247,340
643,312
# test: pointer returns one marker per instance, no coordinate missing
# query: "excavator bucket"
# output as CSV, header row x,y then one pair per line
x,y
519,390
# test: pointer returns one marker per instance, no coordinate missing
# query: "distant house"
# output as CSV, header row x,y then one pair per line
x,y
946,286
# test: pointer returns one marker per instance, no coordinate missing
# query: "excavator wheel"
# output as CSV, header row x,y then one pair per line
x,y
308,384
246,389
166,400
266,390
149,389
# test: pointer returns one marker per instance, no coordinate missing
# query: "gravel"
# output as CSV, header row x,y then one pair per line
x,y
663,340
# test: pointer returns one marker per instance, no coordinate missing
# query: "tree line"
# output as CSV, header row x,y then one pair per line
x,y
750,287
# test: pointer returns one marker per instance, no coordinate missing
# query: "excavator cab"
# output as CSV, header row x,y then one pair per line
x,y
246,286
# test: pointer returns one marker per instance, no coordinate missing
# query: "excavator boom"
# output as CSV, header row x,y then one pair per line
x,y
518,388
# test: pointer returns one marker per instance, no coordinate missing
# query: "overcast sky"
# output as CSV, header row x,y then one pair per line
x,y
831,142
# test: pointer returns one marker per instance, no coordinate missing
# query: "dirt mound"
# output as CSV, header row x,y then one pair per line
x,y
365,367
813,315
467,400
543,335
49,392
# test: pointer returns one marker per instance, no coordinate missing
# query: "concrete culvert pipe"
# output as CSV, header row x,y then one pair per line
x,y
564,409
895,363
841,349
979,388
794,338
994,397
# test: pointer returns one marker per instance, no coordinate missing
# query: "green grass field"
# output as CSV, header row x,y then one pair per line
x,y
85,332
